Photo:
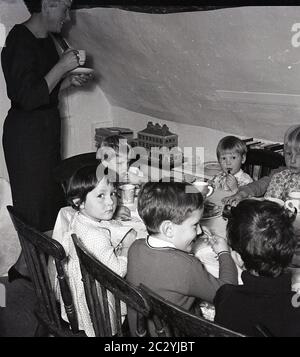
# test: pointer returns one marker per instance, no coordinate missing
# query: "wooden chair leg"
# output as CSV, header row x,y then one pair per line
x,y
41,331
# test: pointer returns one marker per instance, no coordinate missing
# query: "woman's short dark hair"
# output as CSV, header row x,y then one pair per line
x,y
262,233
160,201
36,5
83,181
33,5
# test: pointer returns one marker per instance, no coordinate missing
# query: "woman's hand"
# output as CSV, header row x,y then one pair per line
x,y
75,80
79,80
68,61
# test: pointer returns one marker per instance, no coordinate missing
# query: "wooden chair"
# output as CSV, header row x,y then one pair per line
x,y
68,167
94,271
171,320
260,162
37,247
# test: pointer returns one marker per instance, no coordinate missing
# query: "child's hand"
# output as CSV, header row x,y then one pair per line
x,y
231,183
233,200
206,235
218,244
134,179
123,213
129,238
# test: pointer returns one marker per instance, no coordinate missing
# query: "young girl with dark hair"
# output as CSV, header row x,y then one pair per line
x,y
94,199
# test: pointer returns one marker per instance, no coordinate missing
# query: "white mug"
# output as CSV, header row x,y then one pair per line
x,y
293,201
127,193
204,188
81,57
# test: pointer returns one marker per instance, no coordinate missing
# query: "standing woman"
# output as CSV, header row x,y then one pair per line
x,y
34,75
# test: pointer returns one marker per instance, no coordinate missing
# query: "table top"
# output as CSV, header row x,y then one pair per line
x,y
201,171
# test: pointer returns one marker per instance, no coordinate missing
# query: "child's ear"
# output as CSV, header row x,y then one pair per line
x,y
77,203
243,158
166,228
104,163
237,259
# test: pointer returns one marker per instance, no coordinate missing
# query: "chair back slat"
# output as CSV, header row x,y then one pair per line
x,y
32,260
260,162
92,303
171,320
41,270
110,283
37,248
118,316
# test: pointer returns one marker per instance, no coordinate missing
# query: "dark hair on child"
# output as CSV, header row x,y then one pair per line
x,y
114,145
116,142
160,201
262,233
231,143
83,181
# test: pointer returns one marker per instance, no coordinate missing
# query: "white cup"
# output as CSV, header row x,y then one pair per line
x,y
81,57
293,201
204,188
127,193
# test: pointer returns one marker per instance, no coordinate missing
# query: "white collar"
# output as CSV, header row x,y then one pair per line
x,y
159,243
239,173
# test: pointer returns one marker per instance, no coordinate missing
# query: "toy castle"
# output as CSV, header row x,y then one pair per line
x,y
158,140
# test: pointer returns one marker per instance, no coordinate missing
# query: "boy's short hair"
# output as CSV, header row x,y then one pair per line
x,y
292,138
116,142
161,201
231,143
83,181
262,233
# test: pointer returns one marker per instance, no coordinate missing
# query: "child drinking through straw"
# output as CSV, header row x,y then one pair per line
x,y
231,153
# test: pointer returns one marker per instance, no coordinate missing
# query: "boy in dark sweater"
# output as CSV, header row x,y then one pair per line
x,y
262,238
171,212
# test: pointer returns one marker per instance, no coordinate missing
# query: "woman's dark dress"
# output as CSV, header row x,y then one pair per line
x,y
32,128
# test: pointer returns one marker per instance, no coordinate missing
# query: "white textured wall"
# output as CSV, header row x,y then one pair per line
x,y
232,70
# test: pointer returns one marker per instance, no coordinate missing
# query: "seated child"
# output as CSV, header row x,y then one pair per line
x,y
231,153
115,153
163,261
262,238
288,180
94,200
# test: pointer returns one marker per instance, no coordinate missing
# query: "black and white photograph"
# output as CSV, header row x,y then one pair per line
x,y
149,171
